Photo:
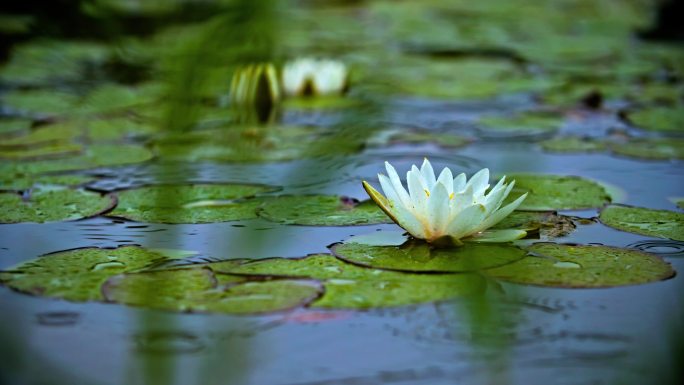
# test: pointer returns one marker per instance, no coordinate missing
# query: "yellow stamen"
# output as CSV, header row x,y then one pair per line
x,y
451,196
427,192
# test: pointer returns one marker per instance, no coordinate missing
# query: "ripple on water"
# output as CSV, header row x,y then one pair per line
x,y
663,248
58,318
168,343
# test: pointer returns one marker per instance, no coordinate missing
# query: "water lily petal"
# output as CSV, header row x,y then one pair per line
x,y
461,201
417,190
496,196
428,174
380,200
438,208
409,222
466,222
459,182
501,213
497,236
447,179
479,182
398,187
389,190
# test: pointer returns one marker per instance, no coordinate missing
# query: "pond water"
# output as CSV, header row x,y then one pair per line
x,y
142,102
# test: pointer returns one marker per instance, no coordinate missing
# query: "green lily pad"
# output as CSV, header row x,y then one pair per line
x,y
556,192
52,205
573,144
44,135
663,119
546,224
13,127
54,150
112,98
651,148
335,102
19,183
581,266
199,203
349,286
523,123
93,157
639,220
678,201
76,275
47,102
322,210
447,140
421,257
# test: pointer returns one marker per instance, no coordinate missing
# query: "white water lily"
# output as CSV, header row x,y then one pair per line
x,y
444,209
316,77
246,86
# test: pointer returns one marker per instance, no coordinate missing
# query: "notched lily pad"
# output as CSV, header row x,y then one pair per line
x,y
76,275
581,266
571,144
349,286
664,119
415,256
52,205
651,148
197,203
639,220
557,192
322,210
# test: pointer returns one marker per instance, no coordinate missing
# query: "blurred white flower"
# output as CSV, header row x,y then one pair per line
x,y
314,77
444,209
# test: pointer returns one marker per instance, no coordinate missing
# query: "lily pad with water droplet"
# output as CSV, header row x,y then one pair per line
x,y
663,119
76,275
651,148
571,144
348,286
557,192
92,157
322,210
52,205
655,223
580,266
198,203
19,183
416,256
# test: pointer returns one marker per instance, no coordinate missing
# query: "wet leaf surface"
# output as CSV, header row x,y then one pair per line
x,y
198,203
544,225
656,223
421,257
19,183
556,192
52,205
322,210
651,148
573,144
579,266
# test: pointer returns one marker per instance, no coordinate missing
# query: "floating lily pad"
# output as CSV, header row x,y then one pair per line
x,y
678,201
93,156
579,266
351,286
523,123
420,257
76,275
44,135
19,183
322,210
556,192
546,224
664,119
441,139
573,144
320,103
13,127
52,205
655,223
651,148
55,150
46,102
111,97
199,203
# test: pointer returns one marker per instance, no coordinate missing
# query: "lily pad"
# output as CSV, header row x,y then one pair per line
x,y
198,203
421,257
76,275
545,224
651,148
523,123
639,220
349,286
13,127
556,192
19,183
441,139
52,205
55,150
579,266
45,102
93,156
322,210
44,135
320,103
573,144
663,119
